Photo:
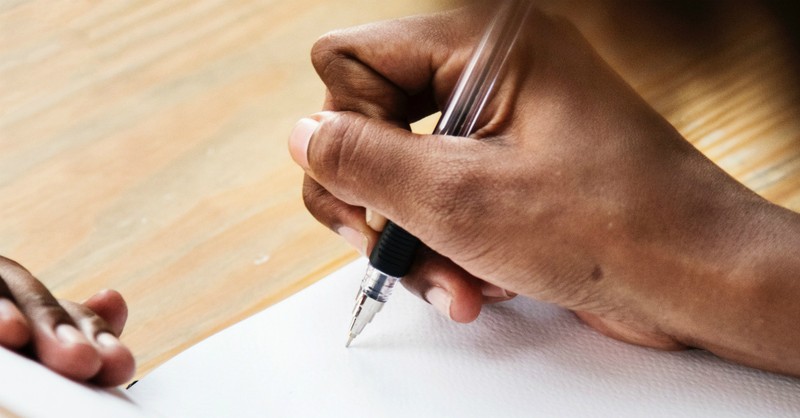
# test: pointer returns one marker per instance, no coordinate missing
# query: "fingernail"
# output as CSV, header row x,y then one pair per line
x,y
492,291
375,221
299,139
440,300
7,309
70,335
98,294
107,339
354,238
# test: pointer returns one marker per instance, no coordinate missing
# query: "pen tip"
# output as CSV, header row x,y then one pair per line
x,y
349,340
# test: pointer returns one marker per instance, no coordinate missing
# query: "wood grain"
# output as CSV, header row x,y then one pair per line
x,y
143,144
729,84
144,149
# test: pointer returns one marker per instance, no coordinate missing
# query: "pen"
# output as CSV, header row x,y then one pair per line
x,y
393,255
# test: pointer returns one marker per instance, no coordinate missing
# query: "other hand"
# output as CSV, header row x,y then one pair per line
x,y
77,340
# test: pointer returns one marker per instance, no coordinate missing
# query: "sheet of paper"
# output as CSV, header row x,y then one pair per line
x,y
521,358
27,389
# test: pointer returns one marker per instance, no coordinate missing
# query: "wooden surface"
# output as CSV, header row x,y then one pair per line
x,y
143,144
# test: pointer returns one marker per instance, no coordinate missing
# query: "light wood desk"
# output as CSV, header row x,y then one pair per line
x,y
143,144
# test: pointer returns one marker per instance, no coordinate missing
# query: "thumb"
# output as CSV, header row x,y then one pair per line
x,y
372,163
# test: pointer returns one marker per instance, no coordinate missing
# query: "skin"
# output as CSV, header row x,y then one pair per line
x,y
77,340
576,193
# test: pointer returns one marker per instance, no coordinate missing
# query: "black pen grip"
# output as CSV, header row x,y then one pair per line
x,y
395,250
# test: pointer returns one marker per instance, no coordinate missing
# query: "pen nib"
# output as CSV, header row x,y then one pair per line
x,y
363,312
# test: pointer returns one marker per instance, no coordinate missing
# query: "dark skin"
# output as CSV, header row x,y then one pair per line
x,y
77,340
578,193
635,278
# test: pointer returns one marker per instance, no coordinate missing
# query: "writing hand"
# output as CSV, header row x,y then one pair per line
x,y
573,191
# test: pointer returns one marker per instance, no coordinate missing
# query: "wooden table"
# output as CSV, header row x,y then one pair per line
x,y
143,144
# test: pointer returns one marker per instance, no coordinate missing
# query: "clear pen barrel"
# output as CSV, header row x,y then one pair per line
x,y
378,285
395,249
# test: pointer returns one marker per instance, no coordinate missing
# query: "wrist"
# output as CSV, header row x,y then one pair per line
x,y
739,301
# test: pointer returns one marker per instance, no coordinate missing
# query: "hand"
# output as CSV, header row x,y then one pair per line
x,y
77,340
573,191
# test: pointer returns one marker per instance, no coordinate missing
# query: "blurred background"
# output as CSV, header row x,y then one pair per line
x,y
143,144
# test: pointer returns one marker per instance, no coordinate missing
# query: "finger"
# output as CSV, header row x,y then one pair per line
x,y
494,294
367,67
111,307
57,343
346,220
357,88
14,329
626,333
313,193
410,178
337,215
117,361
452,291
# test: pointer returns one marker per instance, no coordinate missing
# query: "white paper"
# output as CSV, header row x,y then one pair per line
x,y
28,389
520,358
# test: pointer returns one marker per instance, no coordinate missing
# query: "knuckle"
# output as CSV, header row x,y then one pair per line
x,y
7,264
329,42
43,307
12,275
84,317
93,323
327,51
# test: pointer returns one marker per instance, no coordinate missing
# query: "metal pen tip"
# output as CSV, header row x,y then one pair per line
x,y
350,338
